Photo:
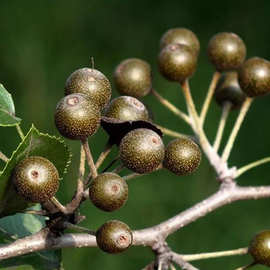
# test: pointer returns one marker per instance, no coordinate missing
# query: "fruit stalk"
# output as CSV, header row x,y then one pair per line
x,y
3,157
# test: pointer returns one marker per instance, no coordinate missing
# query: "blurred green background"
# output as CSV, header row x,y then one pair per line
x,y
42,42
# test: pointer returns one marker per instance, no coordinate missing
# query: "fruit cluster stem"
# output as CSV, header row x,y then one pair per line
x,y
20,132
236,128
3,157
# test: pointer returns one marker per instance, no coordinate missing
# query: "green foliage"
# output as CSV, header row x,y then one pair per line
x,y
34,144
7,109
21,225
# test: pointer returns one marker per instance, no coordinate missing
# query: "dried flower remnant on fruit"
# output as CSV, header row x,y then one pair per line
x,y
141,150
182,156
226,51
108,191
77,117
114,237
90,82
36,179
228,90
177,62
181,36
126,108
254,76
259,248
133,77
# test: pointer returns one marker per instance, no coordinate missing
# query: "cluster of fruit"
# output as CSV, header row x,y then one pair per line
x,y
87,103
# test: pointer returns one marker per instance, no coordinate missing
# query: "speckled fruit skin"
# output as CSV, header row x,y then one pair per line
x,y
228,90
254,77
259,248
114,237
177,62
108,191
226,51
36,179
126,108
141,150
133,77
90,82
182,156
77,117
182,36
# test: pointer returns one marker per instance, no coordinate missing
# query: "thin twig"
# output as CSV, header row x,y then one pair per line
x,y
3,157
246,267
171,133
170,106
224,116
237,125
79,228
217,254
35,212
172,267
58,205
131,176
181,262
20,132
251,165
103,155
209,96
89,158
118,169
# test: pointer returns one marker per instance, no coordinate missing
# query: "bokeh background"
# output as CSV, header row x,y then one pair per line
x,y
42,42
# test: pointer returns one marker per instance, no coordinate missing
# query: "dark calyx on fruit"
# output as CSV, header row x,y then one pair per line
x,y
133,77
177,62
114,236
36,179
254,77
141,150
90,82
77,117
228,90
108,191
126,108
182,156
259,248
226,51
182,36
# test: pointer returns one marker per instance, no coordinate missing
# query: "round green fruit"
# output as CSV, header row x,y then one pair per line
x,y
126,108
141,150
133,77
254,77
177,62
228,90
108,191
114,237
259,248
182,156
90,82
226,51
182,36
36,179
77,117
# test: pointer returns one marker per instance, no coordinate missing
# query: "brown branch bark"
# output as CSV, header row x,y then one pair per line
x,y
152,236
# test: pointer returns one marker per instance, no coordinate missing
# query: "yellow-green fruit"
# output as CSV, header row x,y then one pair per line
x,y
141,150
254,77
133,77
259,248
182,156
177,62
226,51
126,108
114,237
90,82
77,117
182,36
228,90
108,191
36,179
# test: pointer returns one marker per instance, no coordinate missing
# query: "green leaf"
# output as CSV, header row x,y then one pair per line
x,y
21,225
34,144
7,109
